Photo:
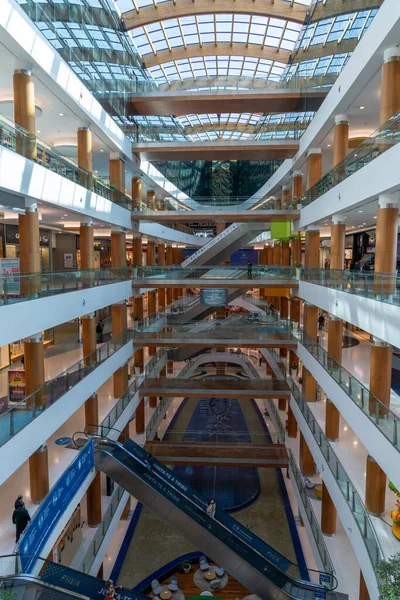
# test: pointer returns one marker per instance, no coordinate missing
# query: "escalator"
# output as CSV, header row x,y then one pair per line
x,y
52,582
246,557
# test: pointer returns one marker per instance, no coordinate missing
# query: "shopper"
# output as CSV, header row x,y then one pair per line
x,y
19,502
249,270
211,506
20,519
321,321
99,332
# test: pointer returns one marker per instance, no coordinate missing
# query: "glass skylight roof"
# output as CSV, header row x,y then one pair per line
x,y
126,5
216,28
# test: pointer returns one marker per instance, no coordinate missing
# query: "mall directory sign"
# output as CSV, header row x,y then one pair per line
x,y
214,297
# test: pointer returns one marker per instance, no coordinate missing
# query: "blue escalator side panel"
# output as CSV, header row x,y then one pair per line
x,y
225,528
82,584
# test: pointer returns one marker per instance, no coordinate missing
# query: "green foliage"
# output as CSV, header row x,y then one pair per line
x,y
388,574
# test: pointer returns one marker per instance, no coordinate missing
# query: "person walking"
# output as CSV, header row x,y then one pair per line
x,y
20,519
99,332
19,502
321,322
211,506
249,270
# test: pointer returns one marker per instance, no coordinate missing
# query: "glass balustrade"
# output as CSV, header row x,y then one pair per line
x,y
219,437
19,140
263,272
16,288
381,416
376,286
347,488
384,138
211,203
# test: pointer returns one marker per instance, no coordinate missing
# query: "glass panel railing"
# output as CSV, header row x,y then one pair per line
x,y
381,415
242,541
357,507
211,203
222,437
17,288
13,420
19,140
263,272
384,138
367,284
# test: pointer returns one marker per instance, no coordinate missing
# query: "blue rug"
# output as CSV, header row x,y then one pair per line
x,y
213,420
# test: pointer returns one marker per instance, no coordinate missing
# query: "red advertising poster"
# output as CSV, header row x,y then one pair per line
x,y
16,386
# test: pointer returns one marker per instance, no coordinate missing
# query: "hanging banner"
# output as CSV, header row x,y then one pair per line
x,y
53,506
16,386
213,297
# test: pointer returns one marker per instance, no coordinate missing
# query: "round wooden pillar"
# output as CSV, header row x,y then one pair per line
x,y
292,424
297,188
34,371
380,382
151,199
282,404
137,255
39,474
136,190
314,167
312,246
309,386
139,417
161,298
332,421
285,197
328,513
340,139
364,594
153,401
151,252
338,231
390,84
306,459
117,173
296,251
93,501
375,488
310,313
161,255
89,338
285,254
151,303
86,240
85,157
118,249
25,112
295,309
276,256
29,252
386,245
92,413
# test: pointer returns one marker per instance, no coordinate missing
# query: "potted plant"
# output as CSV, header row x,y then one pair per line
x,y
134,271
295,322
294,367
135,322
137,368
186,567
300,380
388,575
298,266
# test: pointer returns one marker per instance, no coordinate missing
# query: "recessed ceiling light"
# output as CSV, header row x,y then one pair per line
x,y
360,211
38,131
364,223
96,171
101,150
65,214
356,155
361,107
328,145
375,217
61,115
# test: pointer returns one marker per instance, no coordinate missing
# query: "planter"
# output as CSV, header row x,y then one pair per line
x,y
137,371
298,272
293,373
186,567
135,271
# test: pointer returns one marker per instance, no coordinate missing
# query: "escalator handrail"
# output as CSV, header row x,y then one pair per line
x,y
298,582
37,580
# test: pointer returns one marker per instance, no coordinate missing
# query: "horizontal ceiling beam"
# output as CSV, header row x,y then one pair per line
x,y
219,49
184,8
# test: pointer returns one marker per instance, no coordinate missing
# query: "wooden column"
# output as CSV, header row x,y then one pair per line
x,y
335,343
25,112
296,250
309,386
117,172
29,251
276,257
306,459
137,254
85,158
151,252
380,381
136,190
364,594
139,417
151,303
297,188
119,326
386,244
92,413
311,321
151,199
86,240
89,338
34,371
295,309
314,167
292,424
390,84
39,474
312,249
375,488
328,513
161,255
285,197
340,139
338,231
93,501
285,254
118,249
169,262
153,401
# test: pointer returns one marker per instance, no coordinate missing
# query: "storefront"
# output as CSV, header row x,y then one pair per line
x,y
11,237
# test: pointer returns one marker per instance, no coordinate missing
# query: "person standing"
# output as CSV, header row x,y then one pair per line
x,y
321,322
20,519
249,270
99,332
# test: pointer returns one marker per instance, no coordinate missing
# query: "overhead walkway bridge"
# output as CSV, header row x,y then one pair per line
x,y
249,559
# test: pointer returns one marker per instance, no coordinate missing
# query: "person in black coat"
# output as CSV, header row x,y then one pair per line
x,y
20,519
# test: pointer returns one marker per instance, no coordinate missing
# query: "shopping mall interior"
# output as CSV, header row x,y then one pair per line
x,y
200,318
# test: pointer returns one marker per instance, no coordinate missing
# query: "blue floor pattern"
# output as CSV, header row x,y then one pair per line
x,y
213,420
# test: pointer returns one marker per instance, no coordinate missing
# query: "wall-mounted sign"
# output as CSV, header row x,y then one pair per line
x,y
9,268
16,386
68,260
213,297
